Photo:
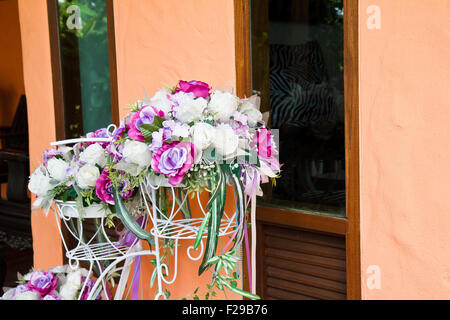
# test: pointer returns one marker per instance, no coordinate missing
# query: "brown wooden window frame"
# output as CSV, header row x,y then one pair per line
x,y
52,10
350,225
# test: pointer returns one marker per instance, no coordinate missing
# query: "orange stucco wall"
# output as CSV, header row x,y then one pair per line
x,y
405,154
11,73
161,42
39,91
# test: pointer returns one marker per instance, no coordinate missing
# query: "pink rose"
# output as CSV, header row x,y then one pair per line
x,y
263,141
133,131
174,160
198,88
263,146
145,116
88,288
42,282
100,133
103,188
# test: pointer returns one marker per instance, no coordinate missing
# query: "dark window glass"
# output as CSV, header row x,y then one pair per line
x,y
297,67
83,38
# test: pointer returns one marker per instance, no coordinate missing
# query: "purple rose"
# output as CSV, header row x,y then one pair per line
x,y
158,138
115,148
100,133
177,128
88,288
20,289
42,282
103,187
133,131
145,116
48,154
174,160
198,88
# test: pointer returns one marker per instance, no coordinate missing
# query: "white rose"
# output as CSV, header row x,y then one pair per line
x,y
8,295
94,154
130,168
28,295
58,269
87,176
254,101
66,152
71,286
57,168
160,101
254,116
189,109
39,183
222,105
226,141
250,107
203,135
137,152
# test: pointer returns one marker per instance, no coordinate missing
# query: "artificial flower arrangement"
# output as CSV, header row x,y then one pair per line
x,y
191,137
58,283
80,174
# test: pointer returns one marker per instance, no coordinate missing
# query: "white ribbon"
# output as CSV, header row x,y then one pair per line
x,y
126,272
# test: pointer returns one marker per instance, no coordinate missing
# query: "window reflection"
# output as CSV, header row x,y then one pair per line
x,y
85,65
297,66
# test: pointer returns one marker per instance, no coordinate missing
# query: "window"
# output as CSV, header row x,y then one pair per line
x,y
84,65
297,67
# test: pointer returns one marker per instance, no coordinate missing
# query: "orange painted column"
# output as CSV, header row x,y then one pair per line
x,y
41,118
405,154
159,43
11,71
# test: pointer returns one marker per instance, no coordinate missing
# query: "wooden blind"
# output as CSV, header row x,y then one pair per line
x,y
296,264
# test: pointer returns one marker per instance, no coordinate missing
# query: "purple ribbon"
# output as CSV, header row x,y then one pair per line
x,y
247,252
136,278
127,238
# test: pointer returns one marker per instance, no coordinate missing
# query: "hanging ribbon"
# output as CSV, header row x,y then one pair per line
x,y
253,224
136,278
128,239
250,259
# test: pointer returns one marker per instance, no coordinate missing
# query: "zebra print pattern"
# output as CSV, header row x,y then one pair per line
x,y
299,90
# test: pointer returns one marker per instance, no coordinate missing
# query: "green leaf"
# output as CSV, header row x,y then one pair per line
x,y
147,130
65,195
217,189
240,210
201,230
152,280
157,121
127,219
241,292
72,193
217,208
219,265
213,260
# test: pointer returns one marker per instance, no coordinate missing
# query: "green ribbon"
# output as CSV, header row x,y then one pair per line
x,y
124,215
